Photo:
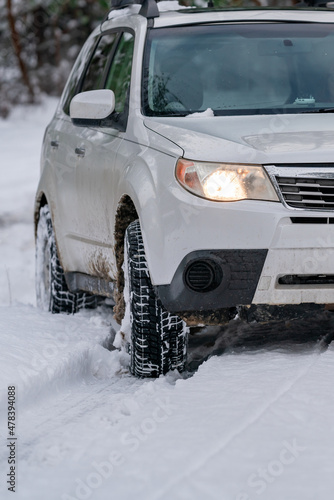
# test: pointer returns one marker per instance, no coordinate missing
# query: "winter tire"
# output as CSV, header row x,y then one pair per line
x,y
52,293
158,339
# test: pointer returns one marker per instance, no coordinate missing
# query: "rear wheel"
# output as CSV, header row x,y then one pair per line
x,y
52,293
158,339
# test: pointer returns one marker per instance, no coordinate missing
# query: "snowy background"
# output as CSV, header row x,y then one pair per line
x,y
252,419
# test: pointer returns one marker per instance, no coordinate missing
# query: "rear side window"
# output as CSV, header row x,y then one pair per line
x,y
93,78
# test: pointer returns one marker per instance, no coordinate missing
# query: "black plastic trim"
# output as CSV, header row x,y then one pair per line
x,y
240,271
311,220
306,279
115,120
92,284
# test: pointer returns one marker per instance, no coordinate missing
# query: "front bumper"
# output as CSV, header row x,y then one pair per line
x,y
210,280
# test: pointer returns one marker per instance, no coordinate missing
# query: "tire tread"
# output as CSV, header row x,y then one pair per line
x,y
158,338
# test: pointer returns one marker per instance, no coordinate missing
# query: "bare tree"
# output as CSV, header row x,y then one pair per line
x,y
18,48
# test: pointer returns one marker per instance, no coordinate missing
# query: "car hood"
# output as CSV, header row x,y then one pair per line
x,y
266,139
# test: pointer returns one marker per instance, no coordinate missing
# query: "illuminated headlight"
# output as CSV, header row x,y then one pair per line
x,y
225,181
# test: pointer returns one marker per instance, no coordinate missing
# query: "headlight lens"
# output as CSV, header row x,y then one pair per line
x,y
225,181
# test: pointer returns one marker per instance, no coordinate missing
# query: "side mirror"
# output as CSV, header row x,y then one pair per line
x,y
88,108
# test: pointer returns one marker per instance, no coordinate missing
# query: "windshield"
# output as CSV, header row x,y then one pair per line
x,y
250,68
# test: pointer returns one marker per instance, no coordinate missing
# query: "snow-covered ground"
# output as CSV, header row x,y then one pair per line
x,y
251,422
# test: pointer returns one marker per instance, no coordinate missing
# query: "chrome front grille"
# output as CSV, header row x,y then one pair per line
x,y
307,193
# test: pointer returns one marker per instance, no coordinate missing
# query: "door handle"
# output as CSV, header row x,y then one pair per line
x,y
54,144
80,152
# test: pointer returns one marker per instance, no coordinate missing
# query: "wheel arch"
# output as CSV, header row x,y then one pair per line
x,y
148,178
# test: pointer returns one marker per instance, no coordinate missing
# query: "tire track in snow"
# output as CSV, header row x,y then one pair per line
x,y
70,409
165,492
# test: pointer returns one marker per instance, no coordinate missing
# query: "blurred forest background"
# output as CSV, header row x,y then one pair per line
x,y
40,39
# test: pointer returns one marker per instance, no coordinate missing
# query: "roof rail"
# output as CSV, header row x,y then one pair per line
x,y
149,8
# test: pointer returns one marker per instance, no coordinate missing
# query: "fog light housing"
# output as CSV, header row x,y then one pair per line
x,y
203,276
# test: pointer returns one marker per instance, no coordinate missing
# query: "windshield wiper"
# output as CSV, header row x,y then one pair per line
x,y
321,110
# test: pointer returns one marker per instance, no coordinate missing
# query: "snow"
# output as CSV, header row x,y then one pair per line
x,y
21,138
163,6
253,421
208,113
169,5
126,11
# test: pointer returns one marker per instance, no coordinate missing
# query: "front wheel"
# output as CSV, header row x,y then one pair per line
x,y
52,293
158,339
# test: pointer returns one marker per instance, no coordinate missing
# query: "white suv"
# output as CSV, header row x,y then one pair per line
x,y
189,172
